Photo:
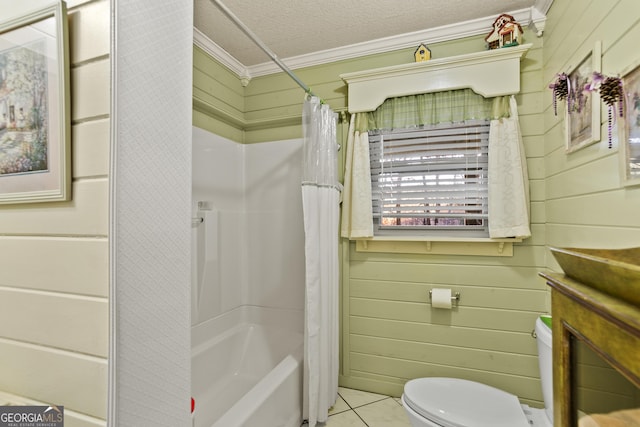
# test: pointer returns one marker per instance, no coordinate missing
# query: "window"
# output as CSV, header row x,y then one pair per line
x,y
431,180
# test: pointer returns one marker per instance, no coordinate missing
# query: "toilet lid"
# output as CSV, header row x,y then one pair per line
x,y
452,402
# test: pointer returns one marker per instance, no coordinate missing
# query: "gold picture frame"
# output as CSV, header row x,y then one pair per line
x,y
34,107
582,112
629,149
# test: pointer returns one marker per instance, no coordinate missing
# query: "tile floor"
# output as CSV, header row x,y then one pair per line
x,y
356,408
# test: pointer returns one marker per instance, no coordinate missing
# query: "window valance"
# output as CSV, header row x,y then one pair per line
x,y
489,73
452,106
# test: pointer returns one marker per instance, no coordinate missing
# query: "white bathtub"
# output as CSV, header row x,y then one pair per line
x,y
246,369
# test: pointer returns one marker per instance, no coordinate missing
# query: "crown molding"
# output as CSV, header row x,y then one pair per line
x,y
434,35
543,6
535,16
539,15
218,53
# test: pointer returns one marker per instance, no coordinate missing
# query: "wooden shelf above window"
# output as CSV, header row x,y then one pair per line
x,y
489,73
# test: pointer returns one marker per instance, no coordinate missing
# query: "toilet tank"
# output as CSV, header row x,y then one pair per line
x,y
545,362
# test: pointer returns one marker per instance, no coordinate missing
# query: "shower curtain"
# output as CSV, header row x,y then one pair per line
x,y
320,200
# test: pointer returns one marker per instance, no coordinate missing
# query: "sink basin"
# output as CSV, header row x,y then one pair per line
x,y
612,271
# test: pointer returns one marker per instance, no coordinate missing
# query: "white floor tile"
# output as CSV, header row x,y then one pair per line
x,y
356,398
384,413
345,419
339,406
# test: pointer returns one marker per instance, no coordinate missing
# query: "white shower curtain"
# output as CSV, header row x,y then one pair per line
x,y
320,200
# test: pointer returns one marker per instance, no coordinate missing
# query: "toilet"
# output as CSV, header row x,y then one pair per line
x,y
452,402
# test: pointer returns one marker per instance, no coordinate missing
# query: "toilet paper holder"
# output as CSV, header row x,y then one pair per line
x,y
455,297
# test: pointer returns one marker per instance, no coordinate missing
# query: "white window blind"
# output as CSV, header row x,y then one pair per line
x,y
431,178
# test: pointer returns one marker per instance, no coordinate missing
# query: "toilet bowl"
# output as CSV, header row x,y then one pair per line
x,y
452,402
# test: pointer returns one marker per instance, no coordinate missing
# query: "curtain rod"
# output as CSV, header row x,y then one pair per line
x,y
262,46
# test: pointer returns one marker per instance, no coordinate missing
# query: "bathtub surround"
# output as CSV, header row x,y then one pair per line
x,y
247,368
217,169
255,192
321,206
248,289
250,199
205,250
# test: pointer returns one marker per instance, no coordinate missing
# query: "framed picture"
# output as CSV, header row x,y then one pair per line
x,y
629,149
34,107
582,117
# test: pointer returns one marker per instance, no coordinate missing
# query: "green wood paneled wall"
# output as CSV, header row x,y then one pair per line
x,y
586,204
218,97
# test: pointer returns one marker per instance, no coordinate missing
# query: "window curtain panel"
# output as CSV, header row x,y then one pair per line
x,y
508,179
321,205
357,216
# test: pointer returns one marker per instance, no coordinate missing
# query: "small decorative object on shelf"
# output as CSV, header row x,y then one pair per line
x,y
506,32
610,89
422,53
560,88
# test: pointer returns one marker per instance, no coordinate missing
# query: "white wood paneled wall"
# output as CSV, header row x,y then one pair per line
x,y
54,322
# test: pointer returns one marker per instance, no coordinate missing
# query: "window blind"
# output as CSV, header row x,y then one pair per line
x,y
431,177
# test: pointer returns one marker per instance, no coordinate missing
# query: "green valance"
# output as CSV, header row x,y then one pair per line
x,y
451,106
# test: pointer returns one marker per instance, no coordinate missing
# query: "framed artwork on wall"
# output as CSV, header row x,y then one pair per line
x,y
582,119
34,107
629,149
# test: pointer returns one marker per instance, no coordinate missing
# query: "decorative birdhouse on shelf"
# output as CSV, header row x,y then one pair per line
x,y
506,32
422,53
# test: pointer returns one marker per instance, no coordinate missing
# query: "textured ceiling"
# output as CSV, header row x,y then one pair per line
x,y
295,27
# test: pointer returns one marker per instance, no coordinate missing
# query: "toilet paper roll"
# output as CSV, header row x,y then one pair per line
x,y
441,298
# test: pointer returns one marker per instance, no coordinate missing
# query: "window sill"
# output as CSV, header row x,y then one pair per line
x,y
438,245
